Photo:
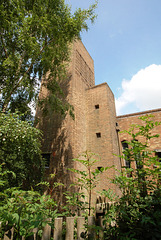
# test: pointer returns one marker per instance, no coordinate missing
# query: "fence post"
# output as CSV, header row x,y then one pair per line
x,y
100,223
69,228
10,232
35,233
58,228
91,232
47,232
80,227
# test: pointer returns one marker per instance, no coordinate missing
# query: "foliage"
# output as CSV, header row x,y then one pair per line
x,y
75,203
87,177
25,210
137,214
3,182
35,38
20,151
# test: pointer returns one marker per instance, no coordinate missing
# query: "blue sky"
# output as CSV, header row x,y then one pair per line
x,y
125,44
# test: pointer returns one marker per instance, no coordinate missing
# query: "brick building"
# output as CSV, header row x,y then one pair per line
x,y
95,128
125,121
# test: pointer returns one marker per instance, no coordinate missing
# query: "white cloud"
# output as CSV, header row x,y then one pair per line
x,y
143,91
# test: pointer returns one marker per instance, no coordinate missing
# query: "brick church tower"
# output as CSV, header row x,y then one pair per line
x,y
93,129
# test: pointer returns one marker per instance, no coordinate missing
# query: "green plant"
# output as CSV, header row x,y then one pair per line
x,y
23,210
35,38
26,210
75,202
87,178
137,214
20,151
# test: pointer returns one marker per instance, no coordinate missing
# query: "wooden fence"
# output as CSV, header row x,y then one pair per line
x,y
57,232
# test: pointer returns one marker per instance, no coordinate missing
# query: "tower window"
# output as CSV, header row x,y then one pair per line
x,y
97,106
99,168
46,157
98,135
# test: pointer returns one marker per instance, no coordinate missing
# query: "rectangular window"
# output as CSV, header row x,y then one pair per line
x,y
97,106
137,156
127,163
126,157
99,168
46,157
158,154
124,147
98,135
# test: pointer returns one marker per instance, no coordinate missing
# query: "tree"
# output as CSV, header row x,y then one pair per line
x,y
35,38
20,152
137,214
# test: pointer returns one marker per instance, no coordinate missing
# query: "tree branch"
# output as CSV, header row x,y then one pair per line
x,y
29,68
20,63
6,102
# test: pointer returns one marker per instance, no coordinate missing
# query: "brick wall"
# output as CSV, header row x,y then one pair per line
x,y
125,121
102,121
66,138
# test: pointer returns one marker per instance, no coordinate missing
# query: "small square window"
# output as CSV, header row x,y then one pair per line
x,y
98,135
97,106
99,168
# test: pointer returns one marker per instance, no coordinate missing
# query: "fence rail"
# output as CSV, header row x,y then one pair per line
x,y
57,232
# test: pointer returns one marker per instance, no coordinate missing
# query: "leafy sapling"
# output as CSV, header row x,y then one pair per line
x,y
137,213
88,177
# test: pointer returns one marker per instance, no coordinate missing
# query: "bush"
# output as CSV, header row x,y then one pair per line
x,y
20,151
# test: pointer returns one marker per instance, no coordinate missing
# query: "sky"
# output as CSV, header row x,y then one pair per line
x,y
125,44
